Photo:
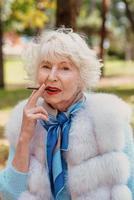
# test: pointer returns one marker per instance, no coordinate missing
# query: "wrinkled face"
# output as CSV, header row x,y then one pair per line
x,y
62,80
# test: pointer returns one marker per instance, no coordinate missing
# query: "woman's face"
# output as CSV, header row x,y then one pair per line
x,y
62,80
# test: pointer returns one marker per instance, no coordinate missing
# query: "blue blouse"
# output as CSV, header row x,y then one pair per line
x,y
14,182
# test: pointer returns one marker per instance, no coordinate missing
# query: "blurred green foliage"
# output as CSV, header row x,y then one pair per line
x,y
27,17
31,17
119,41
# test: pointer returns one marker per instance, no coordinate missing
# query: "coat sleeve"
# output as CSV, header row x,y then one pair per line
x,y
129,150
12,182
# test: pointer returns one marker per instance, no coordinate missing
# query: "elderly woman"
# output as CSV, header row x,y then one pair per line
x,y
64,143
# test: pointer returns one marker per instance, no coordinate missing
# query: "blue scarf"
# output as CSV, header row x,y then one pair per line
x,y
57,141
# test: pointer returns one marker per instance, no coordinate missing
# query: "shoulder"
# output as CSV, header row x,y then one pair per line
x,y
108,105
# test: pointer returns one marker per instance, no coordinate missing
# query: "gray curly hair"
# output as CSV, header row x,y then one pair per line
x,y
63,43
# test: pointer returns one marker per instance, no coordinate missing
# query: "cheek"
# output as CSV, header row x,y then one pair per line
x,y
73,83
41,77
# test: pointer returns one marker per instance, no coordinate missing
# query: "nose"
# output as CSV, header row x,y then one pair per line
x,y
52,76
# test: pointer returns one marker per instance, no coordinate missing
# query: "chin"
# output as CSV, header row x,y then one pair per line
x,y
52,100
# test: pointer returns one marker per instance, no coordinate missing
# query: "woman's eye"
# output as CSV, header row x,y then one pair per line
x,y
65,68
46,66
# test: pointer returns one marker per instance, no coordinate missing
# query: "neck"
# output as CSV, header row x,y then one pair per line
x,y
63,106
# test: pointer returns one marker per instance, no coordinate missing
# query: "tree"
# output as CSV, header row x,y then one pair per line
x,y
1,54
105,8
122,37
129,13
67,13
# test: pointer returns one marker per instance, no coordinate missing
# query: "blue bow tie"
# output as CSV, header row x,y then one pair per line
x,y
57,141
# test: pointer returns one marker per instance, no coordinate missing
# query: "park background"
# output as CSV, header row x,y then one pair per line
x,y
108,25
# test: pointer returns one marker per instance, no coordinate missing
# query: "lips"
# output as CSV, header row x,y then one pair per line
x,y
49,88
52,90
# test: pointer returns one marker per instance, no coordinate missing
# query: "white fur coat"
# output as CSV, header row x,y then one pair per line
x,y
97,167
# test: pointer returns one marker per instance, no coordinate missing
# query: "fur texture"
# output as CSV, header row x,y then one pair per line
x,y
97,166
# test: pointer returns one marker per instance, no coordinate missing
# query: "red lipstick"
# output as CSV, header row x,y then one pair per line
x,y
52,90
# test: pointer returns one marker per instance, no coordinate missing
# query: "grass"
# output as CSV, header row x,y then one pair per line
x,y
1,132
119,68
124,91
14,72
3,155
10,97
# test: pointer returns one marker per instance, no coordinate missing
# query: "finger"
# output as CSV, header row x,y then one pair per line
x,y
38,109
33,92
38,116
35,95
36,92
30,97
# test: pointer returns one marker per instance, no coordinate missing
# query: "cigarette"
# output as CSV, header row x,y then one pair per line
x,y
33,88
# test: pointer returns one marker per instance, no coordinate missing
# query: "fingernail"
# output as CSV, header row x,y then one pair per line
x,y
47,118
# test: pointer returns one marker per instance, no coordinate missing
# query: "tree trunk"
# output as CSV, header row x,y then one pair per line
x,y
1,54
105,7
129,14
67,12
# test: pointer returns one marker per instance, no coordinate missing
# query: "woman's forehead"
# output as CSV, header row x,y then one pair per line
x,y
55,59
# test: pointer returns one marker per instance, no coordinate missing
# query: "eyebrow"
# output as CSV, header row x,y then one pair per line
x,y
63,62
44,62
47,62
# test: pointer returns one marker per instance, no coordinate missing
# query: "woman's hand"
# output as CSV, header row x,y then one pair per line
x,y
31,113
